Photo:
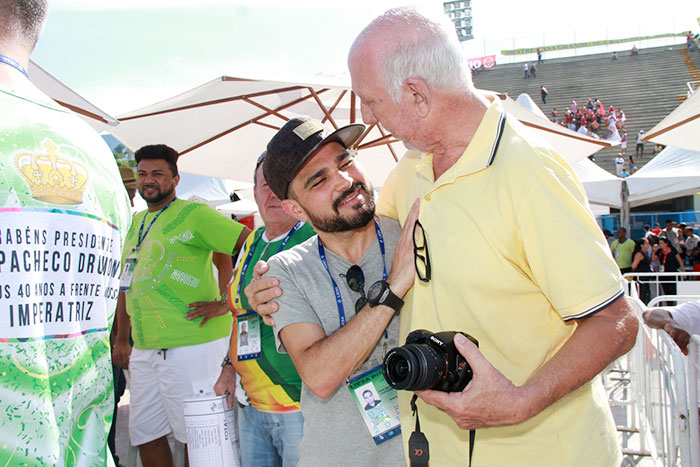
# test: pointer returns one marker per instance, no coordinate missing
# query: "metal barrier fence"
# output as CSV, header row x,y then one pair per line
x,y
693,364
662,392
663,283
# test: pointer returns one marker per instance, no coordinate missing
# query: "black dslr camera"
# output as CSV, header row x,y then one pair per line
x,y
428,361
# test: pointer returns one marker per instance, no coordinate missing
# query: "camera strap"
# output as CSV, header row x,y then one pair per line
x,y
418,452
418,449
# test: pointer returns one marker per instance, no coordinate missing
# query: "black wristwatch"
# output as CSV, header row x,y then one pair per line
x,y
379,293
227,361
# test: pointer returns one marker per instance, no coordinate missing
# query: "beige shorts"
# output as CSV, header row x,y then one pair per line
x,y
160,381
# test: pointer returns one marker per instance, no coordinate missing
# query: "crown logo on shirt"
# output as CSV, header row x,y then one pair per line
x,y
51,177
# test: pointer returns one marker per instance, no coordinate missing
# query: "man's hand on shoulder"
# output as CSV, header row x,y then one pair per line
x,y
403,268
490,399
261,291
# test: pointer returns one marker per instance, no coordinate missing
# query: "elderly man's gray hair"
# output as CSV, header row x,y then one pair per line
x,y
428,48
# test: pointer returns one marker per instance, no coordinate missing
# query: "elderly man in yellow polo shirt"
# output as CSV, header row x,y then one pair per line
x,y
546,304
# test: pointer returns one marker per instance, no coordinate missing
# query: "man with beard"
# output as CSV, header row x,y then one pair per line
x,y
179,324
335,333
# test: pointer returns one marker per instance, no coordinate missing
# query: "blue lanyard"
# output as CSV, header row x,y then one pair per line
x,y
13,63
338,298
142,235
246,263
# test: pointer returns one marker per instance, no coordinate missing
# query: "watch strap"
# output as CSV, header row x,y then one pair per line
x,y
388,298
227,361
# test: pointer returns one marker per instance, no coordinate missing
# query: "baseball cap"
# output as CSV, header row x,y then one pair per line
x,y
295,143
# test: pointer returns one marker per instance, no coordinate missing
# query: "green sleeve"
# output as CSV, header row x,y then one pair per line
x,y
214,231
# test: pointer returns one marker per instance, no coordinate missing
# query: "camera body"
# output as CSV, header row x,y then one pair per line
x,y
428,361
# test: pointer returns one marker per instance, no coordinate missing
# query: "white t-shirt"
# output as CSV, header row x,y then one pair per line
x,y
687,315
691,242
619,164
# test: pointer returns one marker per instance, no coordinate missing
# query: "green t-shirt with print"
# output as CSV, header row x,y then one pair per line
x,y
173,269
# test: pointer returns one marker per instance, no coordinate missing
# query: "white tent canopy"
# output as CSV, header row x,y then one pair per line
x,y
681,127
672,173
241,208
215,191
602,187
68,98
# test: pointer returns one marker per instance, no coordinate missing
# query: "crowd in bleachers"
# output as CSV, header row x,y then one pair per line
x,y
593,117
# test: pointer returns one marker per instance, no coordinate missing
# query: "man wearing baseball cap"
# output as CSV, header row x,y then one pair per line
x,y
334,330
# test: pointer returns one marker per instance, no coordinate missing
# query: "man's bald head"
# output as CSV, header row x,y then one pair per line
x,y
408,44
22,20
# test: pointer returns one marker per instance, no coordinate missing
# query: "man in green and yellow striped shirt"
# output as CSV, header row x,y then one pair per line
x,y
270,421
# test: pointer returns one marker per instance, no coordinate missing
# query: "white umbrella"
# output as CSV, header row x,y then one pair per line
x,y
221,127
681,127
68,98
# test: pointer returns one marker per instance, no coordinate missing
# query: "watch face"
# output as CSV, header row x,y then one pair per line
x,y
375,291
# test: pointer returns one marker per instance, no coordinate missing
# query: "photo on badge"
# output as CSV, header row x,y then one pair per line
x,y
248,334
378,404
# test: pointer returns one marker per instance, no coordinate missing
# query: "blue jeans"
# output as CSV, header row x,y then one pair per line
x,y
269,439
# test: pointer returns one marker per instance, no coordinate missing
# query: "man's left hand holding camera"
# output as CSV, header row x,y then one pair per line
x,y
491,399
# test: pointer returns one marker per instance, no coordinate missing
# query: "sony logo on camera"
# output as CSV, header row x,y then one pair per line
x,y
437,341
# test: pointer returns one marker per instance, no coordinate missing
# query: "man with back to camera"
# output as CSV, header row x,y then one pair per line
x,y
548,317
270,423
61,201
170,301
335,334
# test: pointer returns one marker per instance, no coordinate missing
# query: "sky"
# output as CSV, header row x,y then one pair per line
x,y
126,54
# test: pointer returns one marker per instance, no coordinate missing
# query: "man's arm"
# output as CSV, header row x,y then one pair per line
x,y
241,240
490,399
660,318
122,350
226,384
325,362
224,265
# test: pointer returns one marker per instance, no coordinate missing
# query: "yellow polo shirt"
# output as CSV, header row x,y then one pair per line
x,y
516,257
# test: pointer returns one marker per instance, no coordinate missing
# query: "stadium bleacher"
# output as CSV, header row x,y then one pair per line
x,y
647,87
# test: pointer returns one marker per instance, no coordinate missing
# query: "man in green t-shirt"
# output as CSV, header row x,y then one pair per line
x,y
63,217
622,250
270,422
171,303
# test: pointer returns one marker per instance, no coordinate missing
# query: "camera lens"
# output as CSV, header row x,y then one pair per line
x,y
414,367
